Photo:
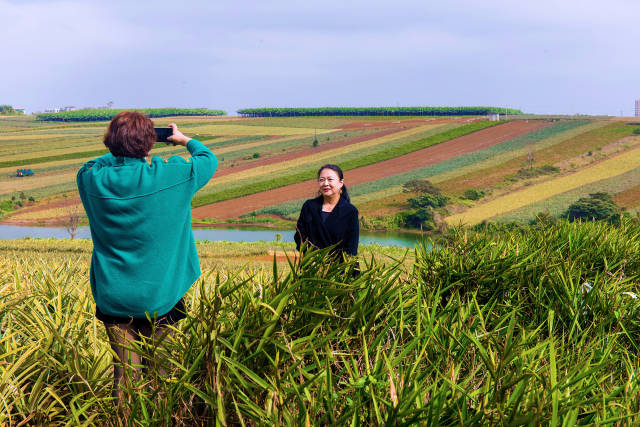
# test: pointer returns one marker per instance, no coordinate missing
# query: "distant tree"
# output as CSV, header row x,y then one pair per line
x,y
7,109
428,201
473,194
72,221
597,206
420,186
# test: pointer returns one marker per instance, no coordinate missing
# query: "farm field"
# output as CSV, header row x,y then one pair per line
x,y
607,169
267,165
385,348
374,193
376,171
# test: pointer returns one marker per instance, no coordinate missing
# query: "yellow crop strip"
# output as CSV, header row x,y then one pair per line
x,y
11,137
239,130
317,158
612,167
50,213
14,184
57,152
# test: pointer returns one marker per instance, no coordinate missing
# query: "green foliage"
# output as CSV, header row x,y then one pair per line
x,y
420,186
6,206
97,114
365,160
6,110
636,131
536,326
315,142
428,201
473,194
597,206
375,111
419,218
256,155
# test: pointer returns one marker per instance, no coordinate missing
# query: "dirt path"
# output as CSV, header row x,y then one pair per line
x,y
427,156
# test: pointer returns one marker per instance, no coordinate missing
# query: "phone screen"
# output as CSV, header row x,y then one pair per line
x,y
163,134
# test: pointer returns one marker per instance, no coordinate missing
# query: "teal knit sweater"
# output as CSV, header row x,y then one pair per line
x,y
144,256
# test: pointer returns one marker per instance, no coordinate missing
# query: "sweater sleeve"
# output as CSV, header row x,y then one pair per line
x,y
352,236
105,160
205,163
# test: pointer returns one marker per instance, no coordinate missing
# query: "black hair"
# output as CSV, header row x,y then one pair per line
x,y
344,193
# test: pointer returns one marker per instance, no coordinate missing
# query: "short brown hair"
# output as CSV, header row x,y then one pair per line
x,y
130,134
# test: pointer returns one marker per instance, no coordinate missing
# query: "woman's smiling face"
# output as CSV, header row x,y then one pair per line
x,y
329,183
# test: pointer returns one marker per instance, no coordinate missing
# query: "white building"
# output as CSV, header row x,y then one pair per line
x,y
637,107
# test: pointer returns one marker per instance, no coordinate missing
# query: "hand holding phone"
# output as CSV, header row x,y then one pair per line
x,y
177,137
163,134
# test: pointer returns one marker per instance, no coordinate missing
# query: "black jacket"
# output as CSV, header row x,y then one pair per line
x,y
341,227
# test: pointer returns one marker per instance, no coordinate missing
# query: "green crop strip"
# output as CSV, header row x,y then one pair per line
x,y
101,114
375,111
355,163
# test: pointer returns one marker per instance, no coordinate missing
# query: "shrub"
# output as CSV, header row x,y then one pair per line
x,y
636,131
473,194
315,142
420,186
256,155
597,206
526,173
420,218
428,201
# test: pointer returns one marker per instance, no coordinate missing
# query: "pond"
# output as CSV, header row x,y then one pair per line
x,y
214,234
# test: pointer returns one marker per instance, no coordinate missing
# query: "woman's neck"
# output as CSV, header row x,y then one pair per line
x,y
331,200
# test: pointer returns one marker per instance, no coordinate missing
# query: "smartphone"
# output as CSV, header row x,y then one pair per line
x,y
163,134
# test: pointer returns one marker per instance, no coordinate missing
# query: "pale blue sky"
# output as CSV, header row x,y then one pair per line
x,y
542,57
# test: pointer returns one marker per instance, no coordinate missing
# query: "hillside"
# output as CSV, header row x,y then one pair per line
x,y
267,165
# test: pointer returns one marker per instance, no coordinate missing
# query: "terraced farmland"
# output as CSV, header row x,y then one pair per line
x,y
613,167
267,165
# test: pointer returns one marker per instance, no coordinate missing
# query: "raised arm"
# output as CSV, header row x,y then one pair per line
x,y
205,163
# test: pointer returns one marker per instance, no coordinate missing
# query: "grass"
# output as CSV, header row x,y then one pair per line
x,y
614,166
535,327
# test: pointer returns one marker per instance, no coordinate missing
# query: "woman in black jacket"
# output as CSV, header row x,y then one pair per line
x,y
329,219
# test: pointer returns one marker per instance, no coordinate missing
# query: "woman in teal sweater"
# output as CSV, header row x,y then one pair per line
x,y
144,256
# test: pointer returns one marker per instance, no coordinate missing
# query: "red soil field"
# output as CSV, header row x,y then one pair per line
x,y
628,198
466,144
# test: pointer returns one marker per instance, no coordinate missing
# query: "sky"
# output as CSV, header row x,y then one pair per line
x,y
543,56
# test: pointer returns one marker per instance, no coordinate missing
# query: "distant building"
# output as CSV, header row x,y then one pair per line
x,y
494,117
637,107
